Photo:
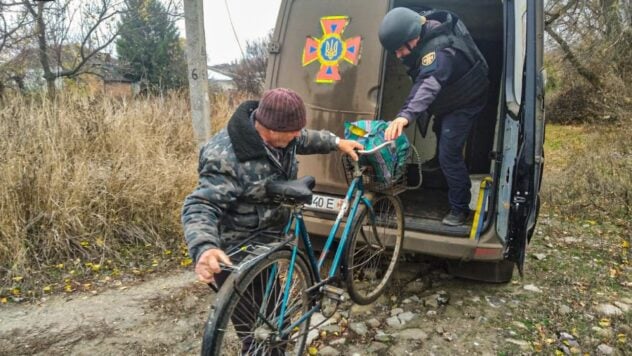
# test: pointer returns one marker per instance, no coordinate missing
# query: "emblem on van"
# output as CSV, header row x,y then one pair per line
x,y
330,49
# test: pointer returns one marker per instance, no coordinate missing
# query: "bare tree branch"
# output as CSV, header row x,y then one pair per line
x,y
553,16
70,34
570,56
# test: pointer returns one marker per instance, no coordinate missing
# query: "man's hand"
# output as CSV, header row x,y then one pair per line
x,y
349,147
395,128
208,264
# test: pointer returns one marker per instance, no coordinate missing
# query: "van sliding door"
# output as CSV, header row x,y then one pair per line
x,y
329,52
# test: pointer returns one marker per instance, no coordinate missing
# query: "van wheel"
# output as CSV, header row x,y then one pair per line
x,y
493,272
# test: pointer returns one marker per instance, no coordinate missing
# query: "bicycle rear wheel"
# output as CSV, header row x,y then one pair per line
x,y
374,248
245,317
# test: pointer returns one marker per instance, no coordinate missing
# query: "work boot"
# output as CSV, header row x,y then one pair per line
x,y
455,218
430,165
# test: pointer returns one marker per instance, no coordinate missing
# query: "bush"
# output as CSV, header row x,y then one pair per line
x,y
571,100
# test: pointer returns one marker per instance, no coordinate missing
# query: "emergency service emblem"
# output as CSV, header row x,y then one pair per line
x,y
330,49
428,59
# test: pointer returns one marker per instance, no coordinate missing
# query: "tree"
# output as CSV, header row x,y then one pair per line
x,y
150,46
249,73
68,34
13,36
592,31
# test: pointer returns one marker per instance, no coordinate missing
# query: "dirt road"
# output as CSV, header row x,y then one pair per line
x,y
166,315
566,303
160,316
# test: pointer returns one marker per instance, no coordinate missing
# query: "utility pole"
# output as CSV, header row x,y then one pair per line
x,y
197,74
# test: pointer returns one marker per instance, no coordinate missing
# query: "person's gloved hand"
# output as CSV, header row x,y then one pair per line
x,y
395,128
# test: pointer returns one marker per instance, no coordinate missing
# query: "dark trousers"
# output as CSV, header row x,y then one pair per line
x,y
453,130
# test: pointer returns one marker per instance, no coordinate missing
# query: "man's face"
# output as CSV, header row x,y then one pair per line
x,y
280,139
405,49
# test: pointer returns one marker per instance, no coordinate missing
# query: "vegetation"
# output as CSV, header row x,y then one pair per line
x,y
249,73
588,62
90,187
579,256
149,44
63,36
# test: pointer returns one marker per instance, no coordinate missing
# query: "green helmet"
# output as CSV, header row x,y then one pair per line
x,y
399,26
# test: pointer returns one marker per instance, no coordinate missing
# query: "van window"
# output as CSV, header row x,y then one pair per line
x,y
520,45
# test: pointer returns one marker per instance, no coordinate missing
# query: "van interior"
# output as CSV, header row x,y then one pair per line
x,y
426,206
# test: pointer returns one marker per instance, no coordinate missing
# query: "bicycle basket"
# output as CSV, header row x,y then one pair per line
x,y
385,170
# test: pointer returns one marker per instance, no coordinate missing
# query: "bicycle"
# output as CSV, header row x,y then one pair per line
x,y
266,304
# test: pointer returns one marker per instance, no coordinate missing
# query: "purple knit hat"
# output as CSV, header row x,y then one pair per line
x,y
281,109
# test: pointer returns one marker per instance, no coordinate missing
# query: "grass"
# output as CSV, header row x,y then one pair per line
x,y
584,232
588,173
91,188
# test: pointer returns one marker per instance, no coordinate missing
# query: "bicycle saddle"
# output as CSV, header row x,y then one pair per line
x,y
292,191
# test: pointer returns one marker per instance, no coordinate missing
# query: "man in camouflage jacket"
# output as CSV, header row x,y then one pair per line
x,y
259,144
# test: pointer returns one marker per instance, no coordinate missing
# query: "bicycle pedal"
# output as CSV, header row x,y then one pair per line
x,y
334,293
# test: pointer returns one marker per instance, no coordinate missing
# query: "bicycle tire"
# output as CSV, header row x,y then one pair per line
x,y
220,335
368,277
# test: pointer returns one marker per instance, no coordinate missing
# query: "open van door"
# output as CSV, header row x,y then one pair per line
x,y
329,52
522,163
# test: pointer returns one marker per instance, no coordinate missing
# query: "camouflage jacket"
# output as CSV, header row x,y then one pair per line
x,y
229,203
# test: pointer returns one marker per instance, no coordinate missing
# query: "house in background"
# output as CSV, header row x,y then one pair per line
x,y
23,71
220,80
102,74
115,83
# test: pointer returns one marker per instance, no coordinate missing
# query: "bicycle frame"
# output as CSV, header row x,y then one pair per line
x,y
355,192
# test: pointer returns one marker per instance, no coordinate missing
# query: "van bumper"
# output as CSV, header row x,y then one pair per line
x,y
488,248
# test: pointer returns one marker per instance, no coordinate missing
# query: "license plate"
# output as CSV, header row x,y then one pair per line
x,y
325,203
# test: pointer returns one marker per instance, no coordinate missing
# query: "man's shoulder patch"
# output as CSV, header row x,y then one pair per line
x,y
428,59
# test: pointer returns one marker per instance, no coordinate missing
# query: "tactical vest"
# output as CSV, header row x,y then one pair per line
x,y
453,33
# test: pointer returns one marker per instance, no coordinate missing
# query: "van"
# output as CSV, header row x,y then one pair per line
x,y
360,80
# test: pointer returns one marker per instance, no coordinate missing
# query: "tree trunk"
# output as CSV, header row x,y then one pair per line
x,y
43,50
591,77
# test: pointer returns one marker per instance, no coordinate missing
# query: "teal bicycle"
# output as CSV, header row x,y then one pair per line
x,y
265,306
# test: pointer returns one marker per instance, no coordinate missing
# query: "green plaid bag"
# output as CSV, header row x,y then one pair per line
x,y
388,163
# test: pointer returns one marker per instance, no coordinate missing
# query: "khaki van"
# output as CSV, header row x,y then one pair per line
x,y
329,52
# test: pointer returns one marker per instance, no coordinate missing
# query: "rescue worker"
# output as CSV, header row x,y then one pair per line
x,y
449,82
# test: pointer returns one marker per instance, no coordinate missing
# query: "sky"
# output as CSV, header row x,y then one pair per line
x,y
253,19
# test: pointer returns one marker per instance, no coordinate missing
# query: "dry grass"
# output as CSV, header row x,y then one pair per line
x,y
588,173
92,179
88,181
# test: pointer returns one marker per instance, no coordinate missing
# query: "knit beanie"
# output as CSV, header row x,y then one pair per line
x,y
281,109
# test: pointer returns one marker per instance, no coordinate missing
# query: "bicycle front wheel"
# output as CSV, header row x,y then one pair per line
x,y
374,248
245,317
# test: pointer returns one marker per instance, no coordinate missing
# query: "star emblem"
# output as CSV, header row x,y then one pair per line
x,y
330,49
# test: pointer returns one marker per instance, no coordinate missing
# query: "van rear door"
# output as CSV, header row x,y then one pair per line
x,y
329,52
524,129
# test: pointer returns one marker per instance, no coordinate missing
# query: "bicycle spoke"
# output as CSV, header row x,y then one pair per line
x,y
251,325
374,249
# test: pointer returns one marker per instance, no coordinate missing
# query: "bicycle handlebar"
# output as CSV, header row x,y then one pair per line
x,y
376,148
